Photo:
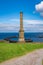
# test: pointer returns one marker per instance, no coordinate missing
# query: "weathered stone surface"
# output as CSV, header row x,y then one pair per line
x,y
21,32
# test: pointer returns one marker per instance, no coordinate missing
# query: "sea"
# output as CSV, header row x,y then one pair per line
x,y
35,37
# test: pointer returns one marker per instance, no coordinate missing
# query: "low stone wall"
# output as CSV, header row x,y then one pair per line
x,y
1,40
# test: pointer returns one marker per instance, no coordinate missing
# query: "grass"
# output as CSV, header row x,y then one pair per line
x,y
8,51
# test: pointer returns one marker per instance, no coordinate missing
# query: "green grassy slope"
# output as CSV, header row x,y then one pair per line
x,y
8,51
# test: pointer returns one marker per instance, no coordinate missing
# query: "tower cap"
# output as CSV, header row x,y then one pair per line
x,y
21,12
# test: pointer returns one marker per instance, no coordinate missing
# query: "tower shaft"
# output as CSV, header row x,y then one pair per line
x,y
21,32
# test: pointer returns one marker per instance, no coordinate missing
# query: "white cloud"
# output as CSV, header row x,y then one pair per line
x,y
14,20
33,22
7,27
34,28
33,25
29,26
39,8
26,21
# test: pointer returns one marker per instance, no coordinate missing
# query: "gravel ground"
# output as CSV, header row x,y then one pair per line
x,y
33,58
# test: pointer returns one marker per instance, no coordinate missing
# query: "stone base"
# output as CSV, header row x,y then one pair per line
x,y
21,40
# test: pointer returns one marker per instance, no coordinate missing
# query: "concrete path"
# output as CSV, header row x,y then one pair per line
x,y
33,58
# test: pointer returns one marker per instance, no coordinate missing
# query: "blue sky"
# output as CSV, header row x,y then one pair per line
x,y
32,15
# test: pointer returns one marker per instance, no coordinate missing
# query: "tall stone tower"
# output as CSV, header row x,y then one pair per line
x,y
21,32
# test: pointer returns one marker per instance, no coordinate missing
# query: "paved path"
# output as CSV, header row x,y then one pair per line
x,y
33,58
